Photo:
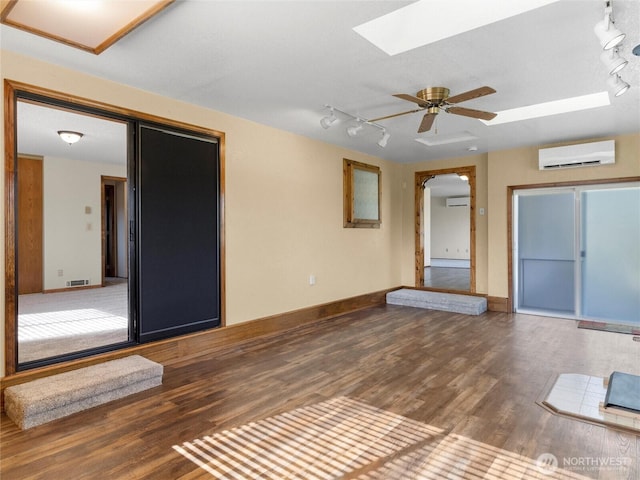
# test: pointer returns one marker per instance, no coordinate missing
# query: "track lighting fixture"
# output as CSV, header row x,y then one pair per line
x,y
617,85
613,61
69,136
610,37
606,31
354,130
385,138
329,120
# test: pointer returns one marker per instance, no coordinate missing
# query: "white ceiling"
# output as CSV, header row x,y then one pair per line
x,y
279,63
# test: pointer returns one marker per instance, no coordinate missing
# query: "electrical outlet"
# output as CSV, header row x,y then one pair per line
x,y
312,279
60,273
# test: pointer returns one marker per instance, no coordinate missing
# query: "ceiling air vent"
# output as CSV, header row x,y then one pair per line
x,y
581,155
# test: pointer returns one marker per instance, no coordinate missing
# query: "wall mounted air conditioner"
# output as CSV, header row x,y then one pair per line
x,y
581,155
458,201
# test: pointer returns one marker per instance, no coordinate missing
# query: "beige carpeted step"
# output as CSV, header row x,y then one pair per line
x,y
40,401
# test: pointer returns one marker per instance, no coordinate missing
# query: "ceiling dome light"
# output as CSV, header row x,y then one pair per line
x,y
618,85
353,131
329,120
385,138
69,136
608,34
613,61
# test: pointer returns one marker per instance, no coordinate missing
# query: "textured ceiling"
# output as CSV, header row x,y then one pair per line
x,y
279,62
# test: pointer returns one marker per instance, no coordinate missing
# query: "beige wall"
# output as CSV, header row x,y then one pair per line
x,y
283,204
494,173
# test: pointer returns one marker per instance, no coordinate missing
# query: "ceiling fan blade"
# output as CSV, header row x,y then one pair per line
x,y
469,112
396,115
463,97
427,122
411,98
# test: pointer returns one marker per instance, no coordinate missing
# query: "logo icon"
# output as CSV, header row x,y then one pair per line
x,y
547,463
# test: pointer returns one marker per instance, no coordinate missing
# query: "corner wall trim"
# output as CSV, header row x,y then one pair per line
x,y
212,341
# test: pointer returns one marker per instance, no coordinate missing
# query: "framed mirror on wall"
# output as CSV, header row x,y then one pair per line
x,y
362,193
88,187
445,227
72,241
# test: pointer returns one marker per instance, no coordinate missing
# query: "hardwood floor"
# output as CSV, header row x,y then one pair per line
x,y
468,383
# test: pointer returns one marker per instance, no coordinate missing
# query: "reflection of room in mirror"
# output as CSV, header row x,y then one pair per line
x,y
447,232
79,205
64,322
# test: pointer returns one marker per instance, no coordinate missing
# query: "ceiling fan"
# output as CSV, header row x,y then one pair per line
x,y
434,99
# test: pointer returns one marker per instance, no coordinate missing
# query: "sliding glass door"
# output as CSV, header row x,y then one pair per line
x,y
610,254
577,252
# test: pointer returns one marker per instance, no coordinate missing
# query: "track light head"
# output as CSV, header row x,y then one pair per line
x,y
353,131
385,138
607,33
613,61
329,120
617,85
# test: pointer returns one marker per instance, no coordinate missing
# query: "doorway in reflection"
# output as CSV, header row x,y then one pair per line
x,y
72,217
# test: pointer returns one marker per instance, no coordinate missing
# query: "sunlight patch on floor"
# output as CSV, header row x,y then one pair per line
x,y
345,438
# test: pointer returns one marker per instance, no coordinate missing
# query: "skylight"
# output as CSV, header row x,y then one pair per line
x,y
428,21
566,105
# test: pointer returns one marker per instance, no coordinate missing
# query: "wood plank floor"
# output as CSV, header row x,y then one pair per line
x,y
472,379
447,278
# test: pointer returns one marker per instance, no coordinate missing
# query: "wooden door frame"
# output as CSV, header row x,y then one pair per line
x,y
419,184
106,180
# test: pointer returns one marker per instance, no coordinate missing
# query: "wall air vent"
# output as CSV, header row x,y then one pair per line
x,y
77,283
581,155
458,201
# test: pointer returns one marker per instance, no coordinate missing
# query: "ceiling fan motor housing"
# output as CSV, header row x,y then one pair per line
x,y
433,95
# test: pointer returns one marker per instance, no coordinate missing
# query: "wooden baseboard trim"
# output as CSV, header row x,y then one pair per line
x,y
210,341
498,304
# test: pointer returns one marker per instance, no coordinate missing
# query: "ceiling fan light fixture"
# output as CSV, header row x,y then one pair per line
x,y
70,137
384,139
329,120
613,61
617,85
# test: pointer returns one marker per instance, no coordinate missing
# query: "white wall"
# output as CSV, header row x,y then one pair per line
x,y
72,237
450,230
